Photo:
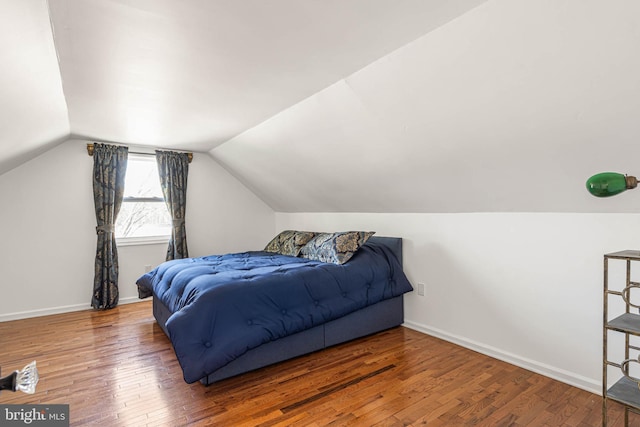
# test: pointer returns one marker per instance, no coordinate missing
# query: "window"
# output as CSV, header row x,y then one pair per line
x,y
143,217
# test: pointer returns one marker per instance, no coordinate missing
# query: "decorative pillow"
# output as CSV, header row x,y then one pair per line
x,y
289,242
336,248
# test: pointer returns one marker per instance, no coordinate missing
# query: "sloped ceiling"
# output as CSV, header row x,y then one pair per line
x,y
341,105
192,74
186,74
33,112
510,107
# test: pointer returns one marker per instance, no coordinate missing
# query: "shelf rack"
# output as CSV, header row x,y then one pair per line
x,y
626,390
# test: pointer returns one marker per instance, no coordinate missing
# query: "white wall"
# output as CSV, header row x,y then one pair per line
x,y
47,224
522,287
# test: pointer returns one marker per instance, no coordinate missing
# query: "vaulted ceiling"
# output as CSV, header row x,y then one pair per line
x,y
341,105
508,108
183,74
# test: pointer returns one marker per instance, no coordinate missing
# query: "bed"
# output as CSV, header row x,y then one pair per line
x,y
229,314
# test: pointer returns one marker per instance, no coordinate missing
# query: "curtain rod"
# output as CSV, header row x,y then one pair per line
x,y
90,152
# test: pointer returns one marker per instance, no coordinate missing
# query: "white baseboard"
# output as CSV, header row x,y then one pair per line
x,y
561,375
56,310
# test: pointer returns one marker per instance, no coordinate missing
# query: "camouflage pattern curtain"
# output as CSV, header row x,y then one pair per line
x,y
109,169
173,169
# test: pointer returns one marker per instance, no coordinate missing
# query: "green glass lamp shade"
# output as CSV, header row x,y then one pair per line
x,y
608,184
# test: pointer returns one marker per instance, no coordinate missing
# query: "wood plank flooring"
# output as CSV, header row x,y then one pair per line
x,y
117,368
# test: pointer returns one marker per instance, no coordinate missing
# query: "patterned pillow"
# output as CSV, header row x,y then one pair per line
x,y
289,242
336,248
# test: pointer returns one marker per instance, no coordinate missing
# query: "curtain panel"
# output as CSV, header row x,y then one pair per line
x,y
109,169
173,168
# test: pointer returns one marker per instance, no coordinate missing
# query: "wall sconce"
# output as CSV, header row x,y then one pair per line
x,y
607,184
24,380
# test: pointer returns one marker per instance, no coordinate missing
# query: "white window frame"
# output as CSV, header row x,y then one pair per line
x,y
139,241
142,240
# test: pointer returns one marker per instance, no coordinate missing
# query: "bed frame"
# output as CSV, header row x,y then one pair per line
x,y
375,318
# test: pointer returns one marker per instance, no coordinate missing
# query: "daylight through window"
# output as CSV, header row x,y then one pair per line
x,y
143,213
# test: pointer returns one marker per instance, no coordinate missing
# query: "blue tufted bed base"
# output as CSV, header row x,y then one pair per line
x,y
376,318
371,319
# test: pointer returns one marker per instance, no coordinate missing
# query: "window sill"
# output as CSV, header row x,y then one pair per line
x,y
139,241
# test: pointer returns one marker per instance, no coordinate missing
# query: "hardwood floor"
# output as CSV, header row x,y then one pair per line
x,y
117,368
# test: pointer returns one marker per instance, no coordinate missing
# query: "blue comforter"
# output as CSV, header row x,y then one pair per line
x,y
225,305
